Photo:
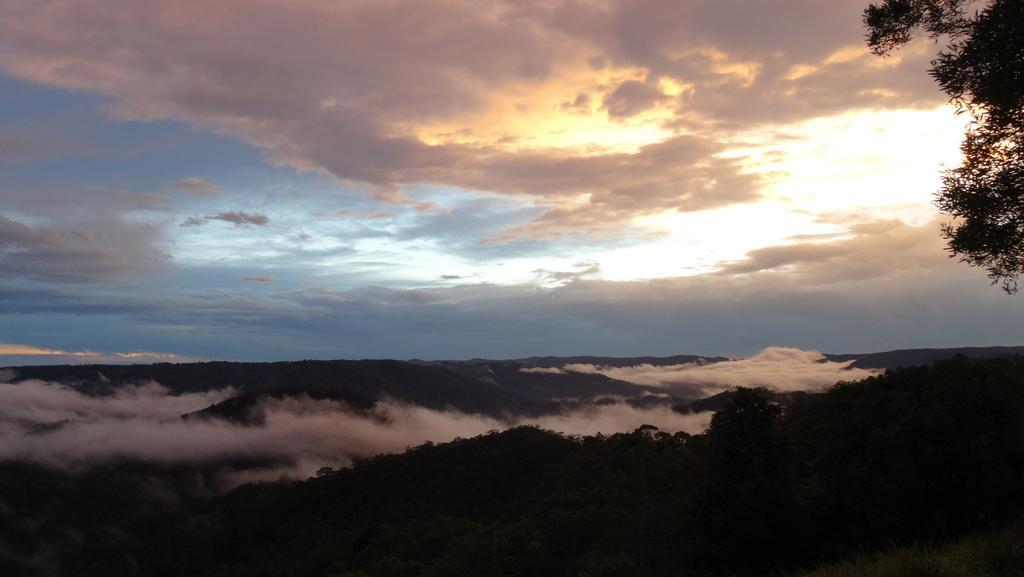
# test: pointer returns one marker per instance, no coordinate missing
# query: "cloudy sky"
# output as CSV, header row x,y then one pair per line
x,y
317,179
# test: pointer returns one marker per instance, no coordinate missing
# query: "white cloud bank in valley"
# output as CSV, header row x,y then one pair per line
x,y
56,425
41,404
777,368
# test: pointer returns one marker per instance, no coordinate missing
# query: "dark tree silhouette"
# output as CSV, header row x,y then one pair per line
x,y
982,71
747,502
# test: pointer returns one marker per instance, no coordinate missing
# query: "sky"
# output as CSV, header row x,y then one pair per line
x,y
273,180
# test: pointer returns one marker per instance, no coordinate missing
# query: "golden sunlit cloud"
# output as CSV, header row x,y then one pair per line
x,y
858,53
20,350
562,112
857,162
743,72
14,349
819,177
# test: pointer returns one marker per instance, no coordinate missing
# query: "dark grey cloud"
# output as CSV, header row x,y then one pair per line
x,y
82,233
630,98
194,186
580,103
581,271
258,279
235,217
241,218
194,221
99,249
872,251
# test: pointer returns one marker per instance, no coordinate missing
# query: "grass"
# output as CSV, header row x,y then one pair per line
x,y
996,554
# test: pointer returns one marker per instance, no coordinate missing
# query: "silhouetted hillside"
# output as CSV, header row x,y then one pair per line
x,y
914,456
600,361
495,389
922,357
524,379
528,386
359,382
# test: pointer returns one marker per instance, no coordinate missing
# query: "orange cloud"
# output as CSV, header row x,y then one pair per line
x,y
471,94
14,350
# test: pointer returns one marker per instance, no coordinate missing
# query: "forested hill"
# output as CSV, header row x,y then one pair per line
x,y
478,385
519,387
595,360
914,456
879,360
920,357
470,388
361,382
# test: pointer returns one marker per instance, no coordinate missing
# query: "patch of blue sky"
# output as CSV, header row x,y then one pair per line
x,y
82,145
341,237
66,331
319,228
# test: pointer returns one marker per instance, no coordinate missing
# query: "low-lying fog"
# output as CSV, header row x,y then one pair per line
x,y
54,424
777,368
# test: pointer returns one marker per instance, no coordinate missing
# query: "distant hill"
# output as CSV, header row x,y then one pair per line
x,y
879,360
494,388
358,382
527,386
600,361
520,377
922,357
